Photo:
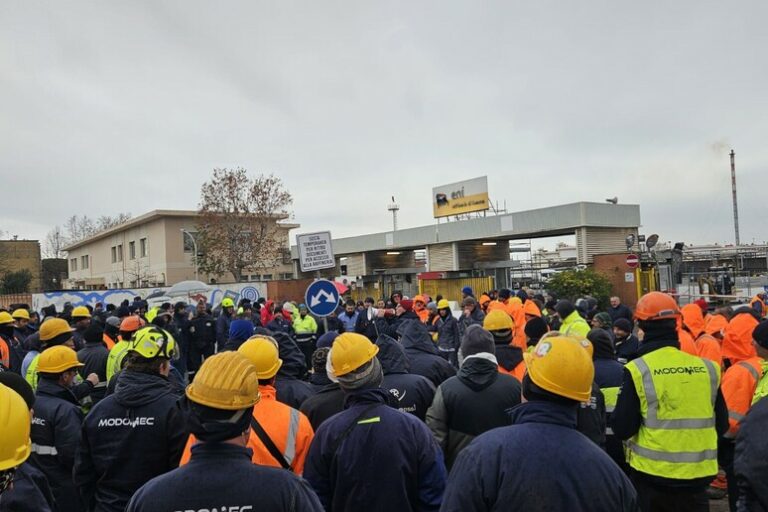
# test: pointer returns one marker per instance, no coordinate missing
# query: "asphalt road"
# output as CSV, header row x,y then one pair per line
x,y
718,505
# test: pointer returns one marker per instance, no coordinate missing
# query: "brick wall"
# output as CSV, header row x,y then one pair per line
x,y
614,266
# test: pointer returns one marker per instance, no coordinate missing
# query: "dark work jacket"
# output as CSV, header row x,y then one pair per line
x,y
620,312
498,472
222,328
321,406
318,381
94,356
424,358
627,350
30,493
448,337
412,393
56,427
127,439
626,418
395,326
591,418
15,353
751,458
476,400
475,318
291,387
202,331
390,462
609,373
508,356
366,327
334,324
221,477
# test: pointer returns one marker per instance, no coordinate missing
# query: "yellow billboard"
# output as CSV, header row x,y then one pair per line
x,y
460,197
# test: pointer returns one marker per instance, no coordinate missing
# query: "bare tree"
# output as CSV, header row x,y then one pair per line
x,y
139,274
237,228
55,241
81,227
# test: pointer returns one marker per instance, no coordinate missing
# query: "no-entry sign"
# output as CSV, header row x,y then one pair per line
x,y
633,260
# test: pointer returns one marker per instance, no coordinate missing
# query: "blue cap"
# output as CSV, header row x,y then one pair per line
x,y
467,290
327,339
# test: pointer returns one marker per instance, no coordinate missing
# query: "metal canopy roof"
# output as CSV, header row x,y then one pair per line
x,y
541,222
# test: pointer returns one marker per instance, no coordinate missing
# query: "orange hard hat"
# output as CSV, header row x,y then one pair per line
x,y
656,306
132,323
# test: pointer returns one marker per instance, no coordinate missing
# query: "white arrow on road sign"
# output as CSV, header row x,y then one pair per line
x,y
322,293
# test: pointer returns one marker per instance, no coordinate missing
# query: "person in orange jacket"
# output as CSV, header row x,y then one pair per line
x,y
738,387
287,429
420,308
737,336
508,355
706,345
484,301
687,344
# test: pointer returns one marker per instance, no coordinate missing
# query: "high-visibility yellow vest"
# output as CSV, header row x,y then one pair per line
x,y
761,390
611,396
677,438
31,376
115,359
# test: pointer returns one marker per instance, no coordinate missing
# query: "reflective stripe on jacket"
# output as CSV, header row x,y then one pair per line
x,y
677,392
288,429
738,387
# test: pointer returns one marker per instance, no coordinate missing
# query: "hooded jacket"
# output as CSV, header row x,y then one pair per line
x,y
568,472
510,359
474,401
291,388
55,436
423,355
627,348
266,313
750,458
448,338
412,393
222,477
388,461
94,356
737,337
127,439
574,325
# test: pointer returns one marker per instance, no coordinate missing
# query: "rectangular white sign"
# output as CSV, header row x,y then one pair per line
x,y
315,251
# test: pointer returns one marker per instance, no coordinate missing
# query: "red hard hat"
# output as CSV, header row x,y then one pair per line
x,y
656,306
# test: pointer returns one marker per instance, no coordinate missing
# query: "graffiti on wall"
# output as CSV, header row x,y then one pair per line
x,y
213,294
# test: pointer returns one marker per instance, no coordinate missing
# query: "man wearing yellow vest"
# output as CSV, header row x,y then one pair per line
x,y
671,412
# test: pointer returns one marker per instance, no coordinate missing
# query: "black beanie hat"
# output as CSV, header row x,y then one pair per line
x,y
760,334
505,293
93,334
564,308
623,324
535,328
476,340
602,344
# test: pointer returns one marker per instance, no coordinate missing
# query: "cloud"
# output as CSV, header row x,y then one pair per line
x,y
115,107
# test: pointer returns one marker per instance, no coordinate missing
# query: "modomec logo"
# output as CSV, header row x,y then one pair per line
x,y
231,508
690,370
127,422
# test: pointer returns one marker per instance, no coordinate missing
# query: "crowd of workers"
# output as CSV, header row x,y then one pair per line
x,y
517,402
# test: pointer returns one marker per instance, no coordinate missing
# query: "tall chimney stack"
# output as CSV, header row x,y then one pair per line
x,y
735,200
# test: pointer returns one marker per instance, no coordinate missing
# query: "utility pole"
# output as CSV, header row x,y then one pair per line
x,y
394,208
735,200
194,245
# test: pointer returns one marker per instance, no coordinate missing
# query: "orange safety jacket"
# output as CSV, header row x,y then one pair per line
x,y
686,342
737,337
517,372
288,429
107,341
5,354
738,387
709,348
423,315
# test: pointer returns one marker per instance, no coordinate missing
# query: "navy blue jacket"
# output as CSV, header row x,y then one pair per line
x,y
389,461
127,439
627,349
30,492
290,385
609,373
326,403
221,476
620,312
55,436
751,457
94,356
222,329
423,354
539,463
412,393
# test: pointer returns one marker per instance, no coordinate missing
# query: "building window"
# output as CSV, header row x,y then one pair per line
x,y
114,254
143,247
189,245
73,265
84,262
120,252
266,277
132,250
286,275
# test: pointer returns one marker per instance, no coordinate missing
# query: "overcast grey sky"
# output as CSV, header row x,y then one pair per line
x,y
127,106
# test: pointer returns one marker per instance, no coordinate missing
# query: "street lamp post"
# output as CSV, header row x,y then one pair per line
x,y
194,246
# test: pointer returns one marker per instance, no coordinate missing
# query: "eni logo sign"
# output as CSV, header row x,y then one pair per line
x,y
461,197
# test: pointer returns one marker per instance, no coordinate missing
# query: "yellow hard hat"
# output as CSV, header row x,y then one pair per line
x,y
442,304
561,365
53,327
498,320
151,342
351,351
5,318
21,313
225,381
81,312
227,303
15,424
263,353
58,359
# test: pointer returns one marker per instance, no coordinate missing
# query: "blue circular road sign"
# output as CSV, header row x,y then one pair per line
x,y
322,297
